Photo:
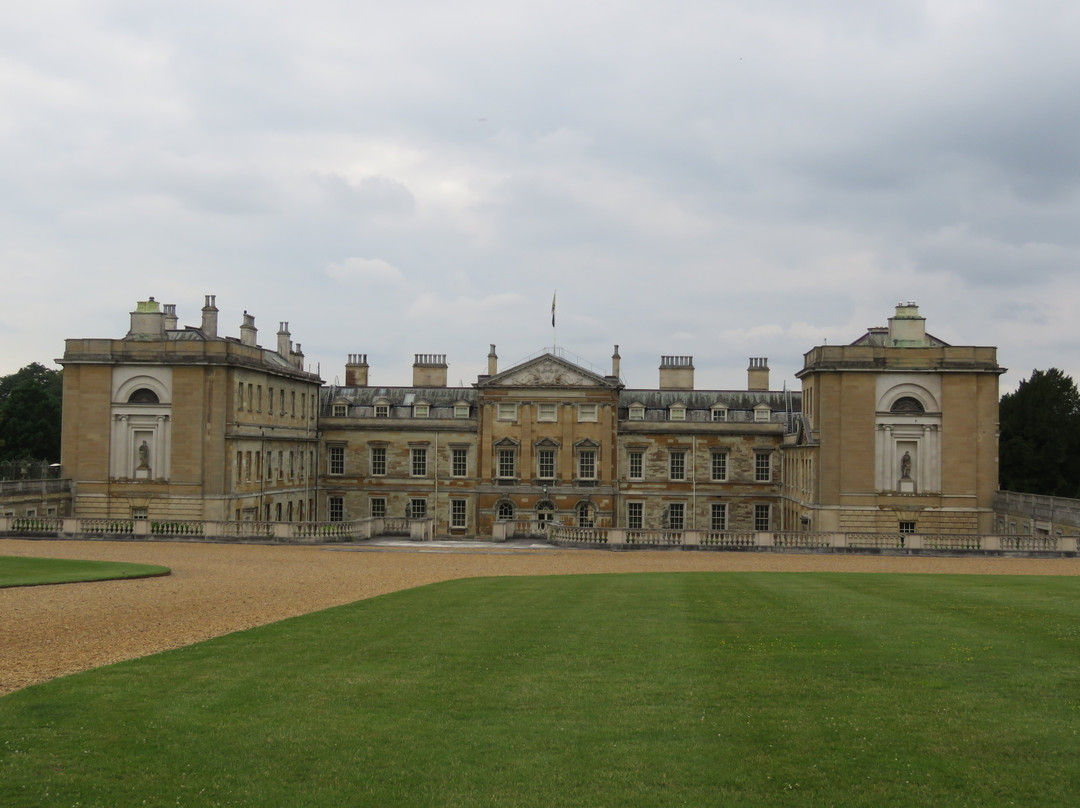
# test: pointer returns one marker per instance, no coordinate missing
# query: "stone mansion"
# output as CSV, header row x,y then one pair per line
x,y
896,431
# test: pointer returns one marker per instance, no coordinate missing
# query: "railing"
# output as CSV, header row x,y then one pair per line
x,y
37,524
578,535
178,529
800,539
567,535
654,538
107,527
1029,543
878,541
727,539
284,532
395,526
952,541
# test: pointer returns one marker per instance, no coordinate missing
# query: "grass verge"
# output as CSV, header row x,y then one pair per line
x,y
24,571
636,690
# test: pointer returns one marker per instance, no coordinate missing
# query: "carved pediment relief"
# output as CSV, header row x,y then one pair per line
x,y
547,371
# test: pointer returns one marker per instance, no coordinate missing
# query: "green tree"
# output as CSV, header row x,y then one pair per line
x,y
1040,436
30,401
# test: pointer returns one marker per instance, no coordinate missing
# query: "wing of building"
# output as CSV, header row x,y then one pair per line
x,y
181,423
898,432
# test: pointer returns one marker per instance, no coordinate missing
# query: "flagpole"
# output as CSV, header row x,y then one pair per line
x,y
554,331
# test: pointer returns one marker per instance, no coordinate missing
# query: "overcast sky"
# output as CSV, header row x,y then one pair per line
x,y
711,178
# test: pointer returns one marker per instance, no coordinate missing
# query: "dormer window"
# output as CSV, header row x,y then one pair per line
x,y
762,413
637,412
719,413
382,409
461,409
341,410
677,412
421,410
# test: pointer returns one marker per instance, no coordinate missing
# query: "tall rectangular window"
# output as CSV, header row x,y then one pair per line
x,y
378,506
419,462
677,465
269,465
587,464
637,466
635,515
459,462
457,513
378,461
763,467
718,517
545,464
719,466
676,516
270,401
506,459
337,459
337,509
281,465
247,466
239,467
761,516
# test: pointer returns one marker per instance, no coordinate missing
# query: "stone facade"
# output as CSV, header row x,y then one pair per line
x,y
550,439
173,423
899,433
895,432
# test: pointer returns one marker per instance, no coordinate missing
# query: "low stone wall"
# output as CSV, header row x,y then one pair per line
x,y
912,543
193,530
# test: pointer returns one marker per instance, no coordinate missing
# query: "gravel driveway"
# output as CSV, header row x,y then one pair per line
x,y
214,589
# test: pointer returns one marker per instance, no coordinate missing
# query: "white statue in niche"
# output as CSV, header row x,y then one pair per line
x,y
143,454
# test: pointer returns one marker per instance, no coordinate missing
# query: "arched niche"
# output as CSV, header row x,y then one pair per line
x,y
908,439
140,441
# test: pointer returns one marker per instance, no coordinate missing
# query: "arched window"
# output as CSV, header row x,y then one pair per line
x,y
505,511
585,515
907,404
144,395
545,511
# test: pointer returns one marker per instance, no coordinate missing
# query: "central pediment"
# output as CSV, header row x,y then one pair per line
x,y
548,371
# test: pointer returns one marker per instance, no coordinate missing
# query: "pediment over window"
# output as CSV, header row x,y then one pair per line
x,y
587,443
546,443
506,443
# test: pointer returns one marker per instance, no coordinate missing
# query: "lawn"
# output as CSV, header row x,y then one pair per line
x,y
22,571
728,689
